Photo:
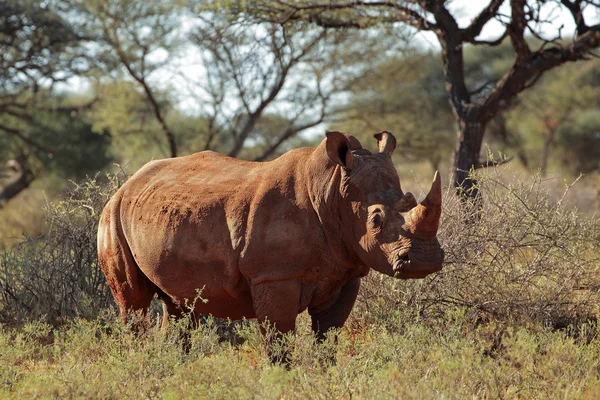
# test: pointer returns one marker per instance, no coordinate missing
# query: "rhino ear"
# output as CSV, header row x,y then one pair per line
x,y
386,142
339,149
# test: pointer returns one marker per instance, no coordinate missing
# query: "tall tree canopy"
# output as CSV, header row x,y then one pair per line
x,y
474,106
39,50
84,81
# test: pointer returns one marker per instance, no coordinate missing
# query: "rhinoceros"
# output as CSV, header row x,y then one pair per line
x,y
267,240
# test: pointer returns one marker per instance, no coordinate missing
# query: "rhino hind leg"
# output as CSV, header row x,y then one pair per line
x,y
175,311
336,312
131,289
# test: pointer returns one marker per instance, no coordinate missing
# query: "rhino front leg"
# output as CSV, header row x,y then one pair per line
x,y
336,311
276,307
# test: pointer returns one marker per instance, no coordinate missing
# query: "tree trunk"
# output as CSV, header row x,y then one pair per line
x,y
21,180
466,156
546,153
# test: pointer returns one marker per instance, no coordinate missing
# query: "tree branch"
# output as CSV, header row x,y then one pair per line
x,y
493,163
525,72
451,40
472,31
480,89
141,79
18,134
273,93
288,133
574,8
490,42
255,116
516,29
407,14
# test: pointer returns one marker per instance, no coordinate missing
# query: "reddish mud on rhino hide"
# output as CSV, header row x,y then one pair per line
x,y
267,240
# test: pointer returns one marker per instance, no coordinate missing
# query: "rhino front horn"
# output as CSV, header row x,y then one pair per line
x,y
424,219
434,197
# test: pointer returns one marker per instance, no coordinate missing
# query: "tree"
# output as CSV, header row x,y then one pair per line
x,y
39,50
244,70
550,112
134,34
474,107
265,83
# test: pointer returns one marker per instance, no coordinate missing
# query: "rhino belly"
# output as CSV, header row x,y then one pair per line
x,y
192,256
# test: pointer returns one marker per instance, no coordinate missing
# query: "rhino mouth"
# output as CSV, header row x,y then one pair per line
x,y
402,263
409,267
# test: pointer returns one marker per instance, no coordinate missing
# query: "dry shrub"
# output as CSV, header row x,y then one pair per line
x,y
514,255
56,275
584,195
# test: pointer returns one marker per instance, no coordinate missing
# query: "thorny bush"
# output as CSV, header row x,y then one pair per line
x,y
56,275
513,255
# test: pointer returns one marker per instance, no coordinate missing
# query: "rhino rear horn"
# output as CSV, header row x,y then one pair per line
x,y
386,142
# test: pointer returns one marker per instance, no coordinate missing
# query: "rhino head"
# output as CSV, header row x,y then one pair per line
x,y
391,232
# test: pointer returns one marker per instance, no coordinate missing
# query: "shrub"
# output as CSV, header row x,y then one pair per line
x,y
56,275
512,256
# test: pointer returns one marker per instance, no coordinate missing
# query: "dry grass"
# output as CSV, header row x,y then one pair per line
x,y
450,359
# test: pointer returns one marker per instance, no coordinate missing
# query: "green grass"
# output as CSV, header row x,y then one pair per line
x,y
418,359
